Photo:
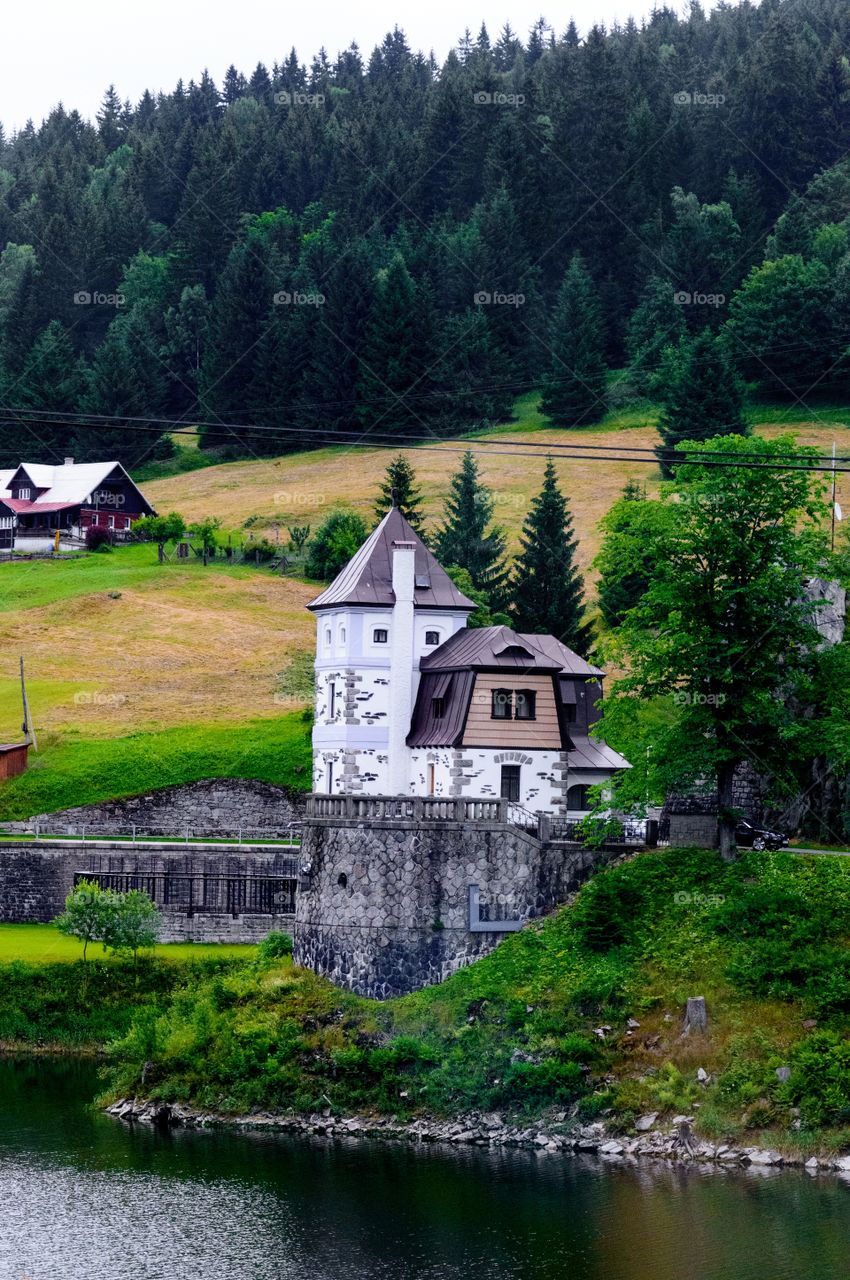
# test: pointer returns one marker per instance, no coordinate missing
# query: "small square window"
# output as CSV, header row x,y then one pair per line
x,y
526,704
432,637
380,635
501,706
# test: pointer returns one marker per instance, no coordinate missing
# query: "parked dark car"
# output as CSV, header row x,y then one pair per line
x,y
752,837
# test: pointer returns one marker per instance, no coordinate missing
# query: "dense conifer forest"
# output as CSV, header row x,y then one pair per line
x,y
382,245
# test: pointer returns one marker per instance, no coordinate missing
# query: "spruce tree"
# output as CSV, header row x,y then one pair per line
x,y
398,489
393,387
547,592
701,395
574,386
467,538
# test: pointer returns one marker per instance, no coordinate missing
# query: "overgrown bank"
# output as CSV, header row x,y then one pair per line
x,y
577,1016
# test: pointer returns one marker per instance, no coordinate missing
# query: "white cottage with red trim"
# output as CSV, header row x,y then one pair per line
x,y
37,499
411,701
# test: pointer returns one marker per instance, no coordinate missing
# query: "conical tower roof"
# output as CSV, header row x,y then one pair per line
x,y
367,579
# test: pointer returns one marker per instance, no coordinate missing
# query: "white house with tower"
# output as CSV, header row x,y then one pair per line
x,y
410,701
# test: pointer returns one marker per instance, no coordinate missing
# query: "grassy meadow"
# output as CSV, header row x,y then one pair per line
x,y
300,488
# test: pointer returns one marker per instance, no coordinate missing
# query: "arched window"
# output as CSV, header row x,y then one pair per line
x,y
327,636
342,635
578,797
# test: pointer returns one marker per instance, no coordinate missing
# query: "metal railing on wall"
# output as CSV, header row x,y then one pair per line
x,y
205,894
134,833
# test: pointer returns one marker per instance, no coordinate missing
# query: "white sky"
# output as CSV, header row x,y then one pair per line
x,y
59,50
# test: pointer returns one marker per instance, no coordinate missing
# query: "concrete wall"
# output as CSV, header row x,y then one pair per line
x,y
213,805
385,909
36,877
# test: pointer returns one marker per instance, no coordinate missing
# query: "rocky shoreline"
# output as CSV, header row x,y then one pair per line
x,y
656,1139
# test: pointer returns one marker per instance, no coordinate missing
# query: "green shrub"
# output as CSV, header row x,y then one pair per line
x,y
274,947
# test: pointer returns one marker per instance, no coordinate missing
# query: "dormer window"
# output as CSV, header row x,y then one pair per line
x,y
380,635
432,637
525,704
24,493
501,704
438,708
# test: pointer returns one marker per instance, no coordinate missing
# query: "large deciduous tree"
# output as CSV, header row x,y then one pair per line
x,y
725,629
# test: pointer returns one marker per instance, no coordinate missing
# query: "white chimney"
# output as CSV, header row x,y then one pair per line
x,y
69,462
401,667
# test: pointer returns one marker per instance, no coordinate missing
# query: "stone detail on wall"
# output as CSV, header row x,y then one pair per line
x,y
213,805
385,907
698,830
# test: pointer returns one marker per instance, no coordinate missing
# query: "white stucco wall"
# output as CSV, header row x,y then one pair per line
x,y
356,738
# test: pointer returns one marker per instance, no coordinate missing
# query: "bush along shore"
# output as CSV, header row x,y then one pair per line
x,y
571,1033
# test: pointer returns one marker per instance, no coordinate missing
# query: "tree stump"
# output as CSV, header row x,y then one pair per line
x,y
696,1016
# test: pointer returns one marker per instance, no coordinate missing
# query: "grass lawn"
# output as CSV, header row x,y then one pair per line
x,y
42,944
118,643
77,770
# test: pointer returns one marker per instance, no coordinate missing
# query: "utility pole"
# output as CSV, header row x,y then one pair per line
x,y
29,731
836,509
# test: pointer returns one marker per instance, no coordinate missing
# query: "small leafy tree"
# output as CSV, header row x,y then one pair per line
x,y
207,532
89,913
337,538
132,923
484,615
298,535
161,529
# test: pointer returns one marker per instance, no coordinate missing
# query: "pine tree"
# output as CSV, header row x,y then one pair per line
x,y
547,592
467,538
398,489
574,387
701,395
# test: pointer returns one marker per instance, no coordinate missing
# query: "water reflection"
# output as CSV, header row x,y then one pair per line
x,y
81,1196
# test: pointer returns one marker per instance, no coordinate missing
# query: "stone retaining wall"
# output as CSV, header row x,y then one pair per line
x,y
36,877
214,804
385,909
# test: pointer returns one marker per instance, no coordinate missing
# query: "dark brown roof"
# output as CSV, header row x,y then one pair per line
x,y
428,730
497,648
368,576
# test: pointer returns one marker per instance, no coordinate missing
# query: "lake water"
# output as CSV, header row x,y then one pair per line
x,y
82,1196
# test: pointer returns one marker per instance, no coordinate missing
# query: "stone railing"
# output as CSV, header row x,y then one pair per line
x,y
406,809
